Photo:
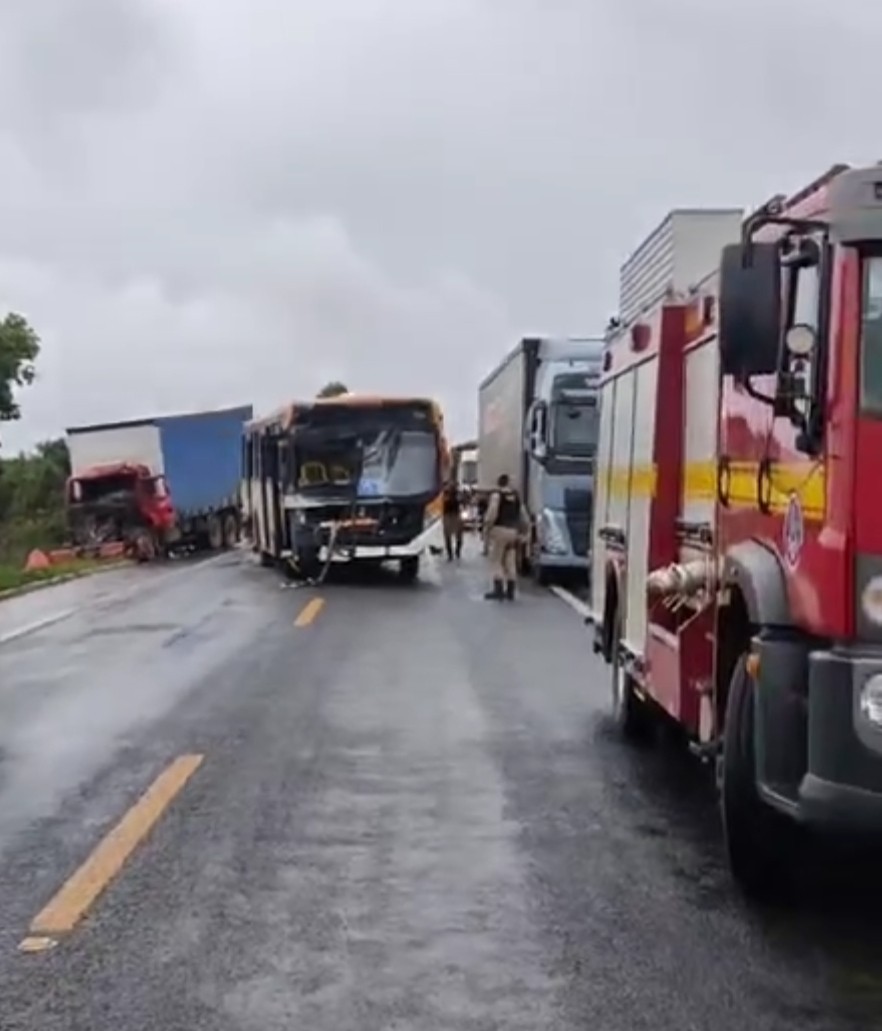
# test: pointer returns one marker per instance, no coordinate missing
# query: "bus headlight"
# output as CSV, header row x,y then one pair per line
x,y
871,700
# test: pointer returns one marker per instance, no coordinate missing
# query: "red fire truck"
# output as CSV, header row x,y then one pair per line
x,y
737,580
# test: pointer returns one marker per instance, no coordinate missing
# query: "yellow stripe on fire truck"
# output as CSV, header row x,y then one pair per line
x,y
806,480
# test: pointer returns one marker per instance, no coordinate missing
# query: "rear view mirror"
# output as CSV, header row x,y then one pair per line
x,y
750,309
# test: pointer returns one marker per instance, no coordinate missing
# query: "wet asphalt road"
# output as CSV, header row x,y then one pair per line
x,y
411,814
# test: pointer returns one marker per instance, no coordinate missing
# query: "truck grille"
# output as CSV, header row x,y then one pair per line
x,y
577,508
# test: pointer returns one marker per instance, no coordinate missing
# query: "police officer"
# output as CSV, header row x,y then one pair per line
x,y
504,523
452,520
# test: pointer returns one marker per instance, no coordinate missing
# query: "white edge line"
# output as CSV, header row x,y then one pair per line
x,y
99,603
576,604
40,624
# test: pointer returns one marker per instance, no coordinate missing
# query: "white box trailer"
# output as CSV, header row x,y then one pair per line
x,y
137,443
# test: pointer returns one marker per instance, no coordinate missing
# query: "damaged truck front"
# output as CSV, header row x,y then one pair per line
x,y
116,493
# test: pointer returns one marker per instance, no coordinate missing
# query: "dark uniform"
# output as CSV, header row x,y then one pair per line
x,y
452,521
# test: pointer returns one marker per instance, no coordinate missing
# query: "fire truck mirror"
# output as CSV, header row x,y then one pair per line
x,y
750,309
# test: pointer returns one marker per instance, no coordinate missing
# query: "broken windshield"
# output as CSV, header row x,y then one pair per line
x,y
373,462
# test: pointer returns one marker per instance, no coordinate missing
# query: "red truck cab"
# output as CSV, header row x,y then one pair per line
x,y
119,501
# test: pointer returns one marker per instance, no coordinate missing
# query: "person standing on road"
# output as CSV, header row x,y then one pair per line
x,y
504,523
452,521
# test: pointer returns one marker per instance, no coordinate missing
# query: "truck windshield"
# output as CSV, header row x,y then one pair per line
x,y
104,488
469,472
576,426
871,336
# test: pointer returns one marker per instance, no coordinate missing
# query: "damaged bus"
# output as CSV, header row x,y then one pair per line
x,y
345,479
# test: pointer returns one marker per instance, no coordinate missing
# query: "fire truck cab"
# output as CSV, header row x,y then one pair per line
x,y
737,581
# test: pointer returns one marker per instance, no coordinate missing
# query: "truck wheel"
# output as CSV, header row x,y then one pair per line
x,y
230,530
542,575
759,840
631,715
144,547
409,569
215,533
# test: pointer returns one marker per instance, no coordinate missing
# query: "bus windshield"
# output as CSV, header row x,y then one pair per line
x,y
362,457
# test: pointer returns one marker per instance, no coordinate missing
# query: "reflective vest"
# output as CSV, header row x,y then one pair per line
x,y
509,513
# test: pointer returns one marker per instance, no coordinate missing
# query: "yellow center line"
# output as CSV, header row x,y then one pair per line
x,y
76,896
309,611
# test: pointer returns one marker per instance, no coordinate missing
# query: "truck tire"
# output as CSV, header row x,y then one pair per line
x,y
215,533
631,715
542,575
144,546
230,530
759,840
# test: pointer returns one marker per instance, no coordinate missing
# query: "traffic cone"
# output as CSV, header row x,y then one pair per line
x,y
37,560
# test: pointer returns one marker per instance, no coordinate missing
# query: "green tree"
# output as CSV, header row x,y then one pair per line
x,y
333,389
32,508
19,347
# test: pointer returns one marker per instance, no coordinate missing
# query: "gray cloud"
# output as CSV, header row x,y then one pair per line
x,y
215,201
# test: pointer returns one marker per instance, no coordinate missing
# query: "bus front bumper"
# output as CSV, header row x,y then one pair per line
x,y
431,536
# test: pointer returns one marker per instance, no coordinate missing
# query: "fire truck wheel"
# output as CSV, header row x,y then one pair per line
x,y
759,840
630,715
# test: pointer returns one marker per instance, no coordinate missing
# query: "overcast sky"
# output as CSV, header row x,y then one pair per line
x,y
210,202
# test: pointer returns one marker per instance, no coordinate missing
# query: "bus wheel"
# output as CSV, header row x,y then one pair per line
x,y
760,842
409,569
630,714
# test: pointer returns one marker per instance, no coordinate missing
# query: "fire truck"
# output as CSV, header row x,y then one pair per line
x,y
737,572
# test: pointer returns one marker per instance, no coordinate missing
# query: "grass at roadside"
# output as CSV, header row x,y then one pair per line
x,y
12,577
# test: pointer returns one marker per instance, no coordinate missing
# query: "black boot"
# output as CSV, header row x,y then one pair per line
x,y
510,590
495,592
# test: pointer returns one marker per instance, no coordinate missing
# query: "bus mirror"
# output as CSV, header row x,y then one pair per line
x,y
750,309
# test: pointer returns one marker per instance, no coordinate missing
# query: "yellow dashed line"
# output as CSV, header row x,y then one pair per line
x,y
309,612
78,894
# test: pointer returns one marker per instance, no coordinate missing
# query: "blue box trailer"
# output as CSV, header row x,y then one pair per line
x,y
202,465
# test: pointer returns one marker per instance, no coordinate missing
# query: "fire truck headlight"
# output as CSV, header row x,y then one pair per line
x,y
871,600
871,700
